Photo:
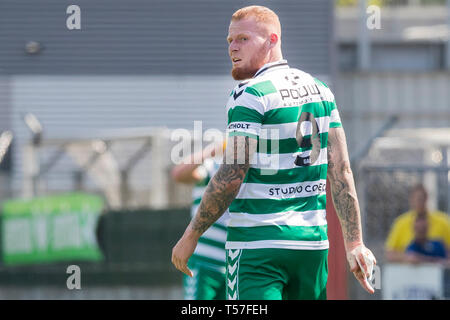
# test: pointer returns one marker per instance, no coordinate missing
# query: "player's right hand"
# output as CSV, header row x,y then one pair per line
x,y
361,261
181,253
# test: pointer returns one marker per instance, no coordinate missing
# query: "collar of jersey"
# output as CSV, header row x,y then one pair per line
x,y
271,66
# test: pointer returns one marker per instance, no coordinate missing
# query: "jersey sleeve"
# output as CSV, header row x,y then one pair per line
x,y
245,116
393,239
335,119
446,231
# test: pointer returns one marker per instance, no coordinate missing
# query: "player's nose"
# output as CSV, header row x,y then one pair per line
x,y
232,47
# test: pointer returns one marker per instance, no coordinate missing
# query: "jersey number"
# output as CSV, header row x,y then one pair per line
x,y
308,124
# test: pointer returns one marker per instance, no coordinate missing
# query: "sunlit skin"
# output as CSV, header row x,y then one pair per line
x,y
250,46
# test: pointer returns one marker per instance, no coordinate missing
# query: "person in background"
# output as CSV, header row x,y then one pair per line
x,y
208,261
422,249
402,231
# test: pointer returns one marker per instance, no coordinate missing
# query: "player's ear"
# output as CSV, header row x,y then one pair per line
x,y
273,39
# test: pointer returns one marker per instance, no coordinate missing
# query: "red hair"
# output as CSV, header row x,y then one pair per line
x,y
261,14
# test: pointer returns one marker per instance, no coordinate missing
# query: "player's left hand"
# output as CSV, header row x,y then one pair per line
x,y
361,261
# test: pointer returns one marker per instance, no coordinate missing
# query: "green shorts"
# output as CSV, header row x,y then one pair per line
x,y
276,274
208,282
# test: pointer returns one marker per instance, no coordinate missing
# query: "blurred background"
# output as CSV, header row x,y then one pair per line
x,y
90,97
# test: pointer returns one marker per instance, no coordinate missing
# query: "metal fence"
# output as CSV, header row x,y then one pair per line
x,y
384,196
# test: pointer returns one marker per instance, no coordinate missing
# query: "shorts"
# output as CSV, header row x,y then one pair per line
x,y
277,274
208,283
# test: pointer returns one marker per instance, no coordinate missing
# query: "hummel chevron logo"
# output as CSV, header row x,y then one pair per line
x,y
232,297
231,284
191,289
232,254
232,269
237,95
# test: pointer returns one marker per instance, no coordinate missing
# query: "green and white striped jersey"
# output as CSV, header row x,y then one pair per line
x,y
282,200
211,245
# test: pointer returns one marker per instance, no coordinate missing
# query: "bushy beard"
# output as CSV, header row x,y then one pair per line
x,y
243,73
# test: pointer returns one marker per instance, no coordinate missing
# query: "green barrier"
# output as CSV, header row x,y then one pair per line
x,y
50,229
136,245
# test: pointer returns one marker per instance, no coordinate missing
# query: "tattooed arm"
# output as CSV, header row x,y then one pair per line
x,y
345,201
225,185
342,185
220,192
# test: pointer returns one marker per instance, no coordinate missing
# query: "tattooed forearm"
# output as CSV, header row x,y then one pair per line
x,y
346,205
224,186
221,191
342,187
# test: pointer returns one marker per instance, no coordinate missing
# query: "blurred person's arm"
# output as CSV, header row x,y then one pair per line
x,y
188,170
417,258
412,258
345,201
220,192
395,256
